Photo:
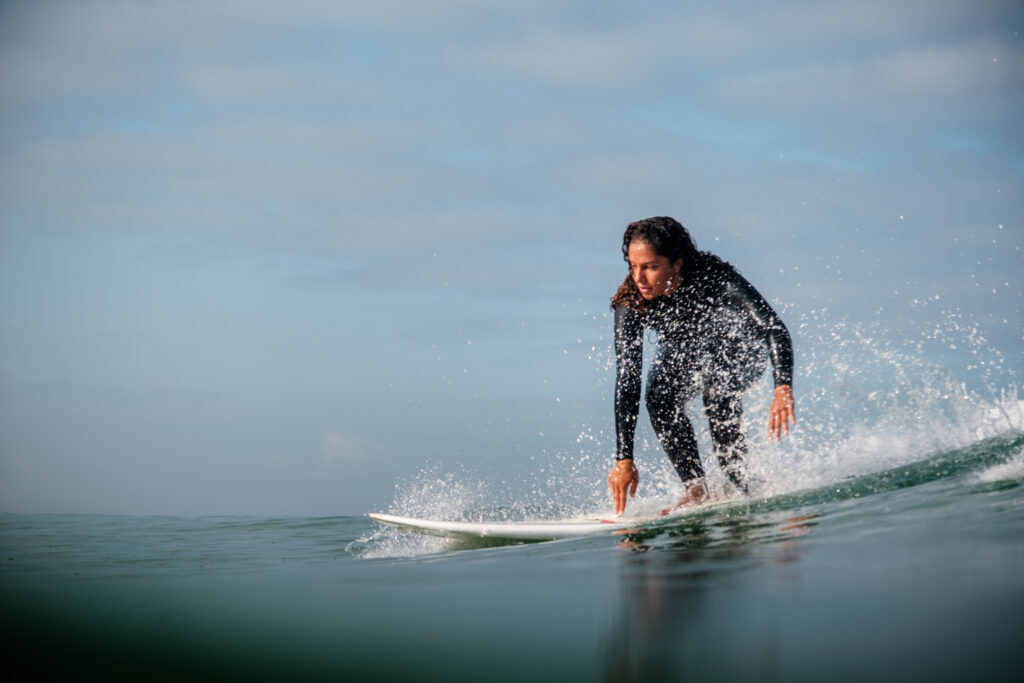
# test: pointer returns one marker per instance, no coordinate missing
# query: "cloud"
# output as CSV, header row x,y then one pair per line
x,y
645,44
595,58
948,83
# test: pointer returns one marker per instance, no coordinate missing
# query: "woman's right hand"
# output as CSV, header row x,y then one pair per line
x,y
622,479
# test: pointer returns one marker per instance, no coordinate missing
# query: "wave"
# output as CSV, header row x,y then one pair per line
x,y
994,460
878,409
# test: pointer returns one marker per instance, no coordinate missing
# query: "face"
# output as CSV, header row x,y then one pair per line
x,y
653,274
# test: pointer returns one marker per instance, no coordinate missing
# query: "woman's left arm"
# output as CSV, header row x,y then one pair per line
x,y
772,330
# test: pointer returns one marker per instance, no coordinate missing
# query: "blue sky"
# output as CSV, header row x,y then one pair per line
x,y
275,258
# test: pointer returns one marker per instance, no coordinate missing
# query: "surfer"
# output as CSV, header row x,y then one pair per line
x,y
715,335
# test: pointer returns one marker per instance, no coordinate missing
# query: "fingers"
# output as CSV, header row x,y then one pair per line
x,y
782,413
787,417
618,492
623,480
779,422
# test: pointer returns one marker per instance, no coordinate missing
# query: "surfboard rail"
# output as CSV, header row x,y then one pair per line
x,y
538,530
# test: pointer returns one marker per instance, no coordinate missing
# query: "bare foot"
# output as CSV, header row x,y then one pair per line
x,y
695,495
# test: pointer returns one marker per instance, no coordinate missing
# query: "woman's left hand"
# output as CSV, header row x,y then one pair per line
x,y
782,413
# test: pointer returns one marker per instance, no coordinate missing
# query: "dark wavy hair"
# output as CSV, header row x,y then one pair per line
x,y
668,238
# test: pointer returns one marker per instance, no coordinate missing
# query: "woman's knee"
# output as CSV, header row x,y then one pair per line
x,y
666,393
657,397
725,417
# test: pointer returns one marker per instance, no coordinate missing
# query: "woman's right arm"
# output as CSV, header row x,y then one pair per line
x,y
629,350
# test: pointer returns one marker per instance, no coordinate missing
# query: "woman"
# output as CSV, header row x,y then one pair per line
x,y
715,334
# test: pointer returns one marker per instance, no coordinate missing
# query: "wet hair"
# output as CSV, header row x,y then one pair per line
x,y
668,238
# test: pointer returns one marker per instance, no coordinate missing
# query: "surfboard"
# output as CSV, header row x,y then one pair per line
x,y
541,530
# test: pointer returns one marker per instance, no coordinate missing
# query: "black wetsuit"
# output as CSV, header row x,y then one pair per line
x,y
715,335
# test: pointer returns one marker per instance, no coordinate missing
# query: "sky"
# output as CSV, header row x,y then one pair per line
x,y
280,258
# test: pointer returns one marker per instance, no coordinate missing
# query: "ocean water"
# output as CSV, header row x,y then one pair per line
x,y
907,572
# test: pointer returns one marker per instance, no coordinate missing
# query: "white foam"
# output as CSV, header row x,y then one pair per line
x,y
867,400
1011,470
388,542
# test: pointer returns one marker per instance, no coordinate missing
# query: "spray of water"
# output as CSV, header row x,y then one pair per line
x,y
874,400
867,400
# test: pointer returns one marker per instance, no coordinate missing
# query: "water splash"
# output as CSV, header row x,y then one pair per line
x,y
1010,472
868,400
874,400
431,494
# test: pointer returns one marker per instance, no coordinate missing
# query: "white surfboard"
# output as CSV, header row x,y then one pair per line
x,y
545,530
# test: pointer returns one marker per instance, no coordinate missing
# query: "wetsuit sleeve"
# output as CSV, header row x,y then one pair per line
x,y
629,352
742,296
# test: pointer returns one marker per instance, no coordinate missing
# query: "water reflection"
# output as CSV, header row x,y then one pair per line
x,y
682,599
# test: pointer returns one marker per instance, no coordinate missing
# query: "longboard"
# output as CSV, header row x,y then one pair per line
x,y
546,530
